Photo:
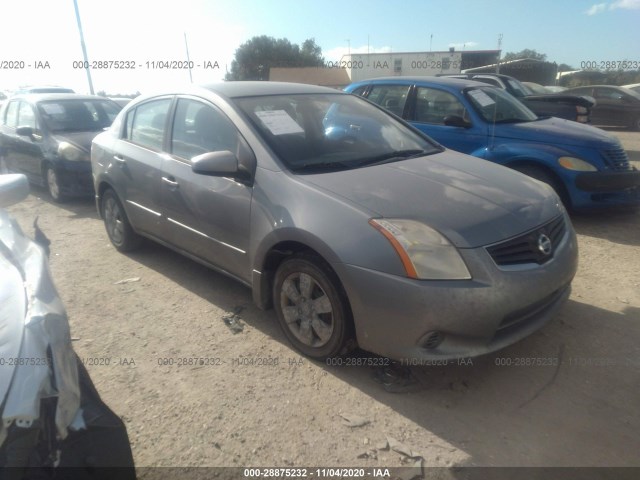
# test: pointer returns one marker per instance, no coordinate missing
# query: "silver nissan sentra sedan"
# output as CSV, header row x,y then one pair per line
x,y
357,228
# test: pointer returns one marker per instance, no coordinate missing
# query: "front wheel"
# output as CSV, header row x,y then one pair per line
x,y
311,308
53,184
117,224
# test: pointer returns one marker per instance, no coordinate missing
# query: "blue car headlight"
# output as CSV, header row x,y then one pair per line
x,y
571,163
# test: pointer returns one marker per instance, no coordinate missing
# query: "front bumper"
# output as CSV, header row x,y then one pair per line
x,y
608,181
75,178
407,319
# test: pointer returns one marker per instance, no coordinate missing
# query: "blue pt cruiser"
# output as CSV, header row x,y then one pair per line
x,y
586,166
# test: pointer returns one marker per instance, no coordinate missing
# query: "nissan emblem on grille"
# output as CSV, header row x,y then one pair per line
x,y
544,244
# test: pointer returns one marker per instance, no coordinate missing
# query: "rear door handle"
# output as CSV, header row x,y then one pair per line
x,y
119,159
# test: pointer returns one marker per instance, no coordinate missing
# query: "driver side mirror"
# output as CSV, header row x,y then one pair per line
x,y
456,121
222,163
25,131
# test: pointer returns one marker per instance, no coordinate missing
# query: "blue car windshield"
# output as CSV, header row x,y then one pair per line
x,y
313,133
496,105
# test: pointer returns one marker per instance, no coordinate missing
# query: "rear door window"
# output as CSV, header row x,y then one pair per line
x,y
145,125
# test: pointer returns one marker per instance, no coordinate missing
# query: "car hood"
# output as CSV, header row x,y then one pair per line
x,y
81,140
557,131
469,200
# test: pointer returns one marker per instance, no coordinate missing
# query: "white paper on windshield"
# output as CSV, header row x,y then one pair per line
x,y
52,108
279,122
482,98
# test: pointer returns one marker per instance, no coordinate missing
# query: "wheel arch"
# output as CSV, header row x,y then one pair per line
x,y
267,264
521,164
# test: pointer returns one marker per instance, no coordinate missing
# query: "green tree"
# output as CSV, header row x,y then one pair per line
x,y
255,57
526,53
563,67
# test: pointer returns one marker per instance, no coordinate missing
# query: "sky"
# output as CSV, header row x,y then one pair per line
x,y
39,39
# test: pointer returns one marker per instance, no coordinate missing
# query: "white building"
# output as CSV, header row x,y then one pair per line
x,y
361,66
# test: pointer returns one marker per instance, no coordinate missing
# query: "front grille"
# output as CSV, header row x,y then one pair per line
x,y
616,159
526,247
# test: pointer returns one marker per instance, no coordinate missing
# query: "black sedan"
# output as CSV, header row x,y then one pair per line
x,y
572,106
616,107
48,138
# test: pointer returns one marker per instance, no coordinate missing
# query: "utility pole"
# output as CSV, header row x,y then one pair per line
x,y
186,46
499,53
84,48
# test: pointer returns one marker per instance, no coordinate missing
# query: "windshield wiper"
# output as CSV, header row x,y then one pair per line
x,y
320,166
391,157
514,120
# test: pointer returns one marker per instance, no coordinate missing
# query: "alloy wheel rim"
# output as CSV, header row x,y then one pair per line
x,y
113,219
307,309
52,182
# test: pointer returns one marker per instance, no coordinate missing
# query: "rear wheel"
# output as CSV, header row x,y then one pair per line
x,y
311,308
117,224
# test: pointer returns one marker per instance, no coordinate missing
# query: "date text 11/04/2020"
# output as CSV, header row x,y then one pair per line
x,y
316,472
147,64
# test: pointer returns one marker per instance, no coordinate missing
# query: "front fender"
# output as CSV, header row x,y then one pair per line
x,y
508,154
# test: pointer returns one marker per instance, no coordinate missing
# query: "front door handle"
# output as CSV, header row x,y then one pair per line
x,y
172,183
119,159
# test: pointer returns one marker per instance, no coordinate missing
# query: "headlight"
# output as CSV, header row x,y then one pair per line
x,y
576,164
70,152
424,252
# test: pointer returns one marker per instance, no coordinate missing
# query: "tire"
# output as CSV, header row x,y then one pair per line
x,y
117,224
311,308
635,124
548,178
53,184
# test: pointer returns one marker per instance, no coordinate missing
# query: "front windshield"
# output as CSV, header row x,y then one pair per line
x,y
520,90
536,89
78,115
324,132
496,105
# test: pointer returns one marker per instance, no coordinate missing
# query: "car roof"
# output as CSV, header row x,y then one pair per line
x,y
256,88
40,97
443,81
478,74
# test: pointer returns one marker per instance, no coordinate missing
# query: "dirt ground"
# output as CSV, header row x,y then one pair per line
x,y
139,321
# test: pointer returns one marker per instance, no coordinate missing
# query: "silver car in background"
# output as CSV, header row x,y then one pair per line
x,y
357,228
